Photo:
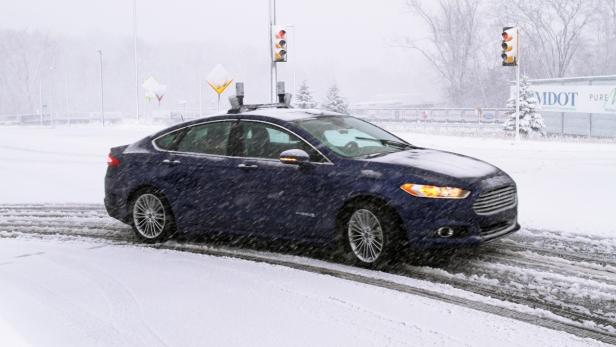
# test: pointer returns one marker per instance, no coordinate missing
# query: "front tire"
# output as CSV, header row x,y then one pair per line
x,y
370,235
152,220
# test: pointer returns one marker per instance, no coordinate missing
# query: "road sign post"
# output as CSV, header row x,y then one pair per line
x,y
219,79
153,89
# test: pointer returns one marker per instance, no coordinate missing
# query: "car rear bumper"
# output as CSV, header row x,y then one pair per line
x,y
116,208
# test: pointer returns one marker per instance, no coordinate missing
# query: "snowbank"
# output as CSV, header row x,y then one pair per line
x,y
59,164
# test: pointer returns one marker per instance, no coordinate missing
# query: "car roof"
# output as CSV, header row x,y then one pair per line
x,y
289,114
283,114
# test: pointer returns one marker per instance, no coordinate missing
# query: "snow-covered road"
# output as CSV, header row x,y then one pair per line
x,y
569,280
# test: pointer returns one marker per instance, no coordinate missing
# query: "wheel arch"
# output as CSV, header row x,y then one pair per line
x,y
368,198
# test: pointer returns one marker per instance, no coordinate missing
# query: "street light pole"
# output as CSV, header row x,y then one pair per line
x,y
41,99
100,55
135,56
67,108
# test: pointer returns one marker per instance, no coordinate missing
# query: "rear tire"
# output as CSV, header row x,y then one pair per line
x,y
369,235
151,216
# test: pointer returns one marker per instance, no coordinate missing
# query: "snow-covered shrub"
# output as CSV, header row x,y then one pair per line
x,y
335,102
303,98
531,121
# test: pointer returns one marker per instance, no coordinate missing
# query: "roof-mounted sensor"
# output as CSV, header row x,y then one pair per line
x,y
237,101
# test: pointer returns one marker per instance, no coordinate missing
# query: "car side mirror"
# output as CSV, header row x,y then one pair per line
x,y
294,156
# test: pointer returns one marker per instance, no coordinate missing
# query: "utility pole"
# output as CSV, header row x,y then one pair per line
x,y
136,61
100,55
273,68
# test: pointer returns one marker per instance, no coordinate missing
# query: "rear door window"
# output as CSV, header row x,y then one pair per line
x,y
209,138
167,142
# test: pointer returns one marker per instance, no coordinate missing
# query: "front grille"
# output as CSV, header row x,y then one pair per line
x,y
496,200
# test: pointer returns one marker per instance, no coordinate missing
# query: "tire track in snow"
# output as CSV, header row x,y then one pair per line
x,y
580,303
575,247
92,222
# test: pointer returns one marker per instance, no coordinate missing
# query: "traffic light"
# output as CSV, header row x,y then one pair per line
x,y
510,46
280,44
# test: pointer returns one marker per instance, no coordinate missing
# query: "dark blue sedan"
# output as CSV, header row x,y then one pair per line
x,y
311,176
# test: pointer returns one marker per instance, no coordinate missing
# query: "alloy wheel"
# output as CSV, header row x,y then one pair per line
x,y
149,216
365,235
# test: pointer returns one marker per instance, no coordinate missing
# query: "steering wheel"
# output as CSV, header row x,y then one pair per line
x,y
352,148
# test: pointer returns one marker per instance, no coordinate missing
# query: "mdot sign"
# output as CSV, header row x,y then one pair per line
x,y
575,98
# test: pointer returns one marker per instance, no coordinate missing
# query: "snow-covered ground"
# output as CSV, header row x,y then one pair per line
x,y
87,294
566,186
63,164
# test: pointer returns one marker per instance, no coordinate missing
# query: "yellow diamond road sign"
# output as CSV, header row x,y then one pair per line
x,y
219,79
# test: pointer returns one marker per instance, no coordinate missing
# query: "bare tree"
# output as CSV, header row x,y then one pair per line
x,y
452,44
551,32
600,57
24,55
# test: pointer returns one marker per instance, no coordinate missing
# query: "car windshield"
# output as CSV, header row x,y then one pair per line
x,y
351,137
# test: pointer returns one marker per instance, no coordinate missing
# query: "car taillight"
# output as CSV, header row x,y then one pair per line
x,y
112,161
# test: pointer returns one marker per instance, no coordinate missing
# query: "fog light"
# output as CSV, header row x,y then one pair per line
x,y
444,232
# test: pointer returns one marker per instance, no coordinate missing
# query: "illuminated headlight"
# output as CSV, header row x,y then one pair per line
x,y
426,191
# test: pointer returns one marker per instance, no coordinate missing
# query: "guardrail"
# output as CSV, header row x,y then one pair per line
x,y
433,115
574,124
47,119
478,119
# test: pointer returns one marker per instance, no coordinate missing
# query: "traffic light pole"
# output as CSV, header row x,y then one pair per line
x,y
273,68
517,82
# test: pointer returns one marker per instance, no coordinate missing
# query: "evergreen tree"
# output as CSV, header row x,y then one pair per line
x,y
335,102
531,122
304,99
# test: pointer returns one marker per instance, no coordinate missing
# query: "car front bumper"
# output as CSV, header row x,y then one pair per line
x,y
423,218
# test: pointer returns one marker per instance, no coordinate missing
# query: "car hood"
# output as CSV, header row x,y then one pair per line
x,y
439,162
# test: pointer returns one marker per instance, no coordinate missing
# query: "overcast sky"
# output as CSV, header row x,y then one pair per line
x,y
346,41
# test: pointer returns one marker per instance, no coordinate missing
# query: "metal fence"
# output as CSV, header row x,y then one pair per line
x,y
486,119
574,124
76,118
433,115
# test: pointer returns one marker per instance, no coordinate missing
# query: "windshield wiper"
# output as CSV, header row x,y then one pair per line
x,y
387,142
374,155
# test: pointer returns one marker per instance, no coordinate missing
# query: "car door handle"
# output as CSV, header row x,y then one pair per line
x,y
173,162
247,166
